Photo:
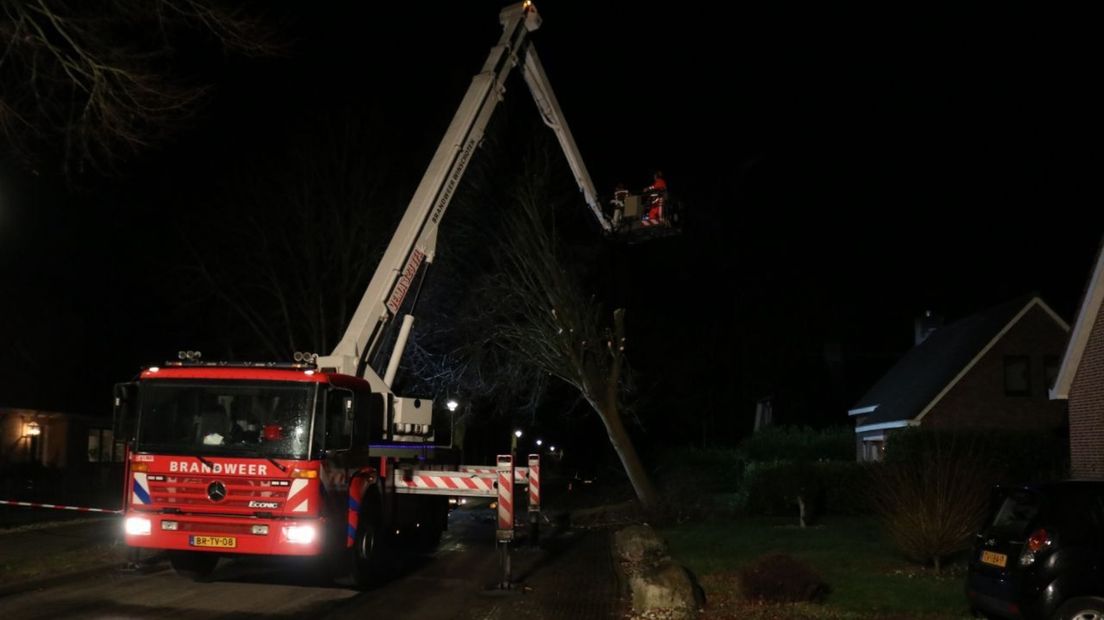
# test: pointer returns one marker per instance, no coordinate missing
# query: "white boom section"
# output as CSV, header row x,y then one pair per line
x,y
415,239
553,117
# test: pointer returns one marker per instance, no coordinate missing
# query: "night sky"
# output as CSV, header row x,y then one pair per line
x,y
843,169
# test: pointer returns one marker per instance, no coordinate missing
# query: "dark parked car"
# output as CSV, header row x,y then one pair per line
x,y
1040,553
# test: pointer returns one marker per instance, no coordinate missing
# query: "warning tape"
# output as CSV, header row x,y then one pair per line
x,y
4,502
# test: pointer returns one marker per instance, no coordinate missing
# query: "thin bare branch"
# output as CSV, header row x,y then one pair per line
x,y
87,84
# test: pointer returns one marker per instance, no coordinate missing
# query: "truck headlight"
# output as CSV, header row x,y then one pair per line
x,y
137,526
299,534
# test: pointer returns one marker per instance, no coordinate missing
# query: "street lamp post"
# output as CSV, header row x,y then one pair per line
x,y
514,443
452,405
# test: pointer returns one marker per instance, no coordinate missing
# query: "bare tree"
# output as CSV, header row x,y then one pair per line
x,y
92,82
295,246
546,321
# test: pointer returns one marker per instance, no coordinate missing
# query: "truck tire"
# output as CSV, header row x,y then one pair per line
x,y
364,565
195,565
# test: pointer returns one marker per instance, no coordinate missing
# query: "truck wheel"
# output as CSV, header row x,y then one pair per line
x,y
1081,608
364,563
195,565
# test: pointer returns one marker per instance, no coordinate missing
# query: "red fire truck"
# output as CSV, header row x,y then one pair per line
x,y
318,457
273,460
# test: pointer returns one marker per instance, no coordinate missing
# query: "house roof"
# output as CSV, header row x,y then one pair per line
x,y
1082,327
930,369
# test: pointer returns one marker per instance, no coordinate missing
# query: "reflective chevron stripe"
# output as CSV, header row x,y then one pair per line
x,y
140,490
454,483
505,498
534,483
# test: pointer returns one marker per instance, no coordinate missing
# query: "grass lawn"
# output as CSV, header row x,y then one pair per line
x,y
867,578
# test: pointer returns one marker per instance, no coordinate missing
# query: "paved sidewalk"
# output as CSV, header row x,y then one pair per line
x,y
571,577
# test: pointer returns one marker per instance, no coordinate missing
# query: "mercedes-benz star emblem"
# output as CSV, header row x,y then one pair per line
x,y
216,491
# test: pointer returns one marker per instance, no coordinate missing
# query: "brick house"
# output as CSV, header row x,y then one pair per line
x,y
1081,381
58,457
988,370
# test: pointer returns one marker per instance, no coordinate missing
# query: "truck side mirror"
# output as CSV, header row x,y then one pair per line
x,y
347,405
124,418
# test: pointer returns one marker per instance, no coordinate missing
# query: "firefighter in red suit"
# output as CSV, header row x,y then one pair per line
x,y
656,196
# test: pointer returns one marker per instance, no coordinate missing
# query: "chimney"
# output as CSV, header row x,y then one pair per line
x,y
926,324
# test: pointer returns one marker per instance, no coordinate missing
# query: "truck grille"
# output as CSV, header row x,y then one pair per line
x,y
193,490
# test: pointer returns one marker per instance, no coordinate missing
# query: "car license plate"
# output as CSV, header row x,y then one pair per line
x,y
222,542
996,559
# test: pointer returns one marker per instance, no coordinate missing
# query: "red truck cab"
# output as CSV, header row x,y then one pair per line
x,y
255,459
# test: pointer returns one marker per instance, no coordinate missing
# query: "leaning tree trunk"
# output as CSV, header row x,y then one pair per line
x,y
610,412
623,446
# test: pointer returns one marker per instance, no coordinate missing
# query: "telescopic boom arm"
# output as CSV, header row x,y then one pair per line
x,y
414,243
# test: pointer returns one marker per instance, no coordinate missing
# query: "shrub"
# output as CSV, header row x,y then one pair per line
x,y
771,488
1016,455
831,487
694,481
932,504
847,487
800,443
714,469
779,578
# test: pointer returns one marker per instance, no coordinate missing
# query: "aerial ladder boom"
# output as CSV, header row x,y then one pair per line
x,y
550,111
415,239
413,246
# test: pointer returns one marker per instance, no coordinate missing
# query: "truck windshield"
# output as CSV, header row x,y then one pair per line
x,y
231,418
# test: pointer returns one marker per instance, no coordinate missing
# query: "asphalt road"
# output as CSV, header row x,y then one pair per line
x,y
452,584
